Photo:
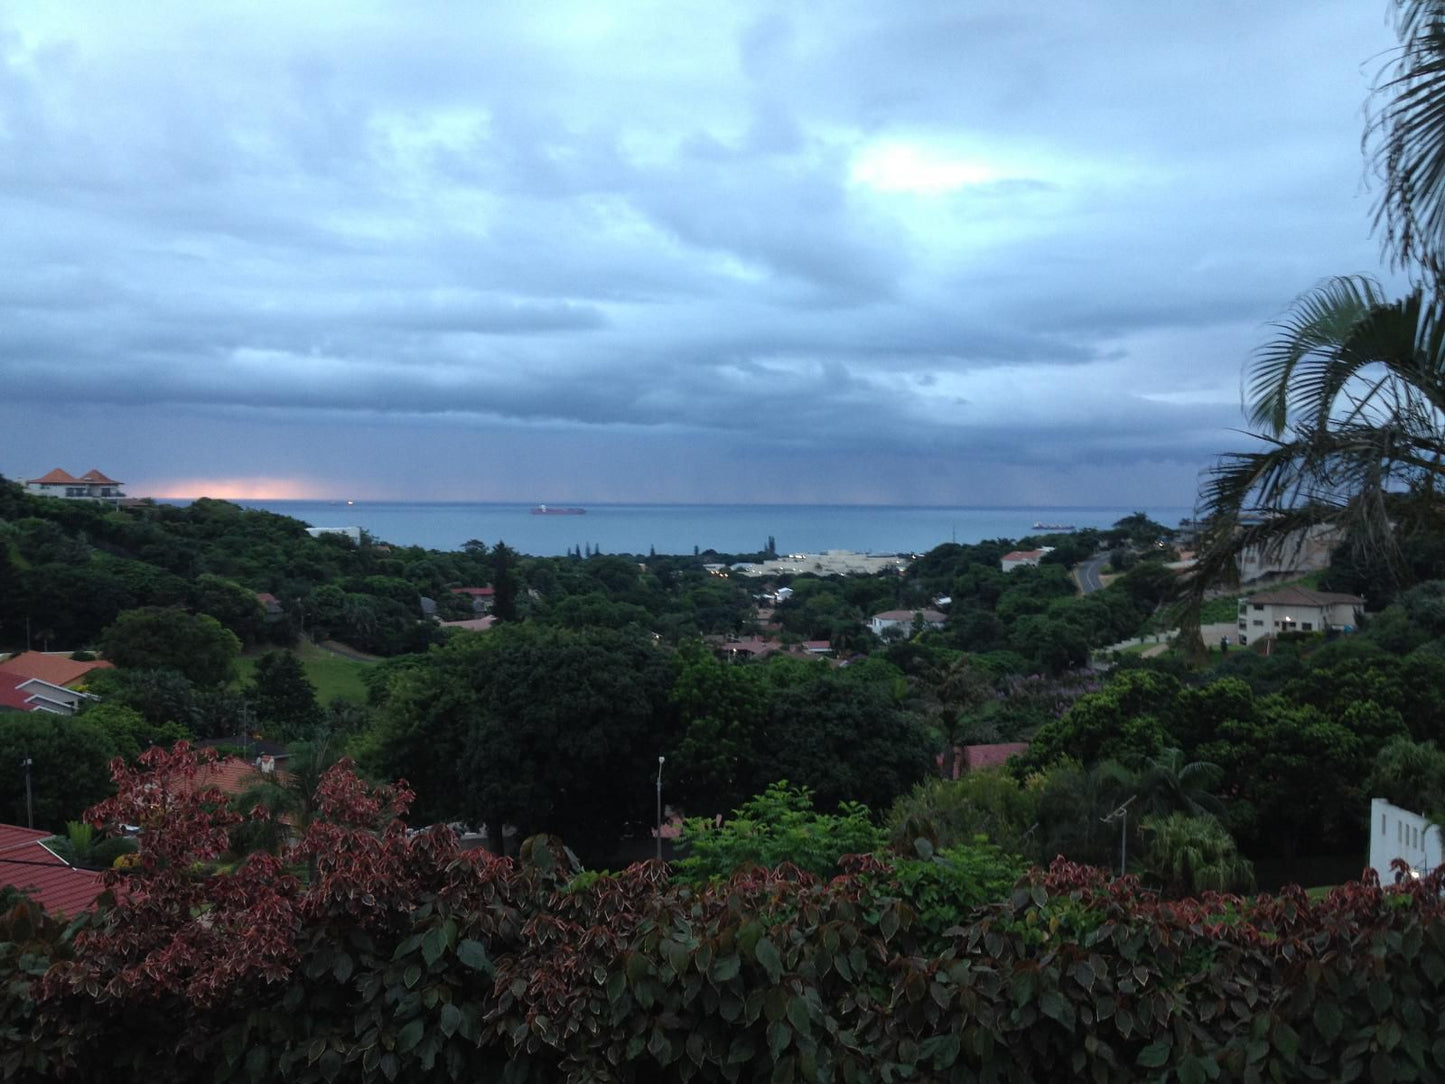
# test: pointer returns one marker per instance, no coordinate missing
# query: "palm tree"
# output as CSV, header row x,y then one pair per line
x,y
1188,855
1406,139
1170,784
1348,400
289,796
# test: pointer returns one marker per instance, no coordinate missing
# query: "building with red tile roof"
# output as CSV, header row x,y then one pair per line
x,y
27,864
1023,558
57,667
92,485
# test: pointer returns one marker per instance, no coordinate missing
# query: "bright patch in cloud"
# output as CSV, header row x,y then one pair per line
x,y
902,167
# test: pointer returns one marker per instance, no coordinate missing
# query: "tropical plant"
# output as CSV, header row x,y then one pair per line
x,y
1171,783
1188,855
1348,400
1406,139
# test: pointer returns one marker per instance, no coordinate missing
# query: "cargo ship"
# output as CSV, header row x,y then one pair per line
x,y
548,510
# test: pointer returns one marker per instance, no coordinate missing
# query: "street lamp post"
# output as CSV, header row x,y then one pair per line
x,y
660,761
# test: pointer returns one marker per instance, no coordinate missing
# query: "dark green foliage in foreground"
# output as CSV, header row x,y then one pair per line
x,y
404,959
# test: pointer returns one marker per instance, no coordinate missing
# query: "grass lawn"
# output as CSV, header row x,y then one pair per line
x,y
332,675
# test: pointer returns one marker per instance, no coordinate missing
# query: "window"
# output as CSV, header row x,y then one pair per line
x,y
1382,824
1308,626
1259,607
1259,624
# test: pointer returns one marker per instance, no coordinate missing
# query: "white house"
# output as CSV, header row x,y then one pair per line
x,y
90,486
1023,558
1398,833
1297,609
892,619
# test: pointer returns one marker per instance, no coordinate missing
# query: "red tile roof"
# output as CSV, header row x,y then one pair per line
x,y
56,477
1024,555
471,624
99,479
475,592
11,695
58,669
57,886
991,756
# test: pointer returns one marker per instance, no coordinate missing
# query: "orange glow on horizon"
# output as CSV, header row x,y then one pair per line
x,y
231,489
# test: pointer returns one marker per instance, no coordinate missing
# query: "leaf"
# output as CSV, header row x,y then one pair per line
x,y
433,945
798,1015
451,1019
767,954
1055,1006
778,1038
1154,1055
411,1034
725,967
1328,1020
473,954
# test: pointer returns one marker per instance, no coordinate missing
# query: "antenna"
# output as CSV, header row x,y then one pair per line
x,y
1122,816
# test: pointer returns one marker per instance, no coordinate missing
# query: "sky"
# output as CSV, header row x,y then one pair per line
x,y
926,253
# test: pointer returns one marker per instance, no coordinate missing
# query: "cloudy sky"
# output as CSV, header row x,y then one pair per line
x,y
919,253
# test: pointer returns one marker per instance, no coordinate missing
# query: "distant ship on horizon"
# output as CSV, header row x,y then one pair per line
x,y
1053,527
547,510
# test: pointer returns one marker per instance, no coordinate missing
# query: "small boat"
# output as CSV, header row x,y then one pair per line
x,y
548,510
1053,526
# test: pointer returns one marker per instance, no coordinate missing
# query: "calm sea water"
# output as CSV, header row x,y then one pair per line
x,y
677,528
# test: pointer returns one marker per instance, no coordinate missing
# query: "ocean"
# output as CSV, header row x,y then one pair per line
x,y
678,528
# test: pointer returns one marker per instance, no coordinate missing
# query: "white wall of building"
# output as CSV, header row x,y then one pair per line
x,y
1399,833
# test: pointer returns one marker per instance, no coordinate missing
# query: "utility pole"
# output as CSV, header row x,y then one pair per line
x,y
29,803
659,807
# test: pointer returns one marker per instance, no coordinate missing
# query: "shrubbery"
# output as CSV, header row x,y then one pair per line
x,y
404,959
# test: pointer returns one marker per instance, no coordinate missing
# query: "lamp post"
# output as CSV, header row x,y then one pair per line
x,y
29,805
660,761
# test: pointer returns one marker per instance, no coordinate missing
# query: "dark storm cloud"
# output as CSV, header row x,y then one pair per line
x,y
593,240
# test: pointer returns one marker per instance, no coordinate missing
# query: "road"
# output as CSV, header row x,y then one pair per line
x,y
1087,573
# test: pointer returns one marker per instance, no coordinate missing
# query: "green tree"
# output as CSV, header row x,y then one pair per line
x,y
282,698
68,771
153,638
232,605
776,827
504,583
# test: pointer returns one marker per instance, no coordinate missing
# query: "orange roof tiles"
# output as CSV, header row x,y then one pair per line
x,y
99,479
58,669
56,477
27,864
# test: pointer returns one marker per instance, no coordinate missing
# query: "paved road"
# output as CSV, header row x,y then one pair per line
x,y
1087,573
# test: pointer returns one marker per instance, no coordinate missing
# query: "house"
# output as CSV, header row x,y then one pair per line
x,y
1023,558
42,681
893,619
90,486
33,694
56,667
1305,550
482,597
270,605
27,864
1399,833
1297,609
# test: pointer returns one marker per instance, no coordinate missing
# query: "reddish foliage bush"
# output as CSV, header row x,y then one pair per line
x,y
408,959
